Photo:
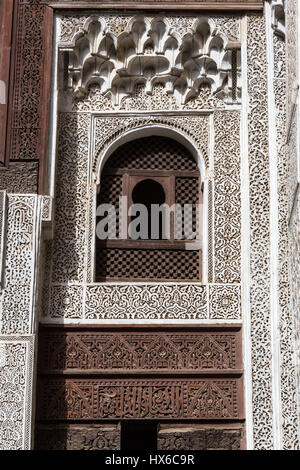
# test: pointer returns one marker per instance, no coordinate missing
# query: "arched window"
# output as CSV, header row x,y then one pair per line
x,y
157,220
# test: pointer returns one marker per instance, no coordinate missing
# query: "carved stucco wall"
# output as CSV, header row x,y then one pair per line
x,y
287,326
216,133
20,233
68,293
21,218
294,234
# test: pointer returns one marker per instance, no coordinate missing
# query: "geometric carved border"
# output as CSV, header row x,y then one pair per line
x,y
78,437
143,302
91,349
107,129
17,303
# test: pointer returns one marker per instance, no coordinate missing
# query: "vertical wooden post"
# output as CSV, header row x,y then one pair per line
x,y
6,21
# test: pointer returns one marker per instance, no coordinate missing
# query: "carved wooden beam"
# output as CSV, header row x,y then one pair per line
x,y
27,138
6,21
163,4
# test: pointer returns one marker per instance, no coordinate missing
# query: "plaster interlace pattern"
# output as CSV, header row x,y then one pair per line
x,y
16,372
260,234
17,300
71,198
288,378
227,199
293,181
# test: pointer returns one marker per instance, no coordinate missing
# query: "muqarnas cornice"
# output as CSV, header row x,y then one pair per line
x,y
151,52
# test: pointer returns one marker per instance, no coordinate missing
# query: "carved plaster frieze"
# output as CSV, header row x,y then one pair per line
x,y
288,388
227,197
144,302
20,178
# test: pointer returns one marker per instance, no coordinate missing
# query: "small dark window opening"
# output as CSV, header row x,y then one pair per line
x,y
139,435
149,192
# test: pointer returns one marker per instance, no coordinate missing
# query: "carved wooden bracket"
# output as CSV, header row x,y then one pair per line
x,y
224,5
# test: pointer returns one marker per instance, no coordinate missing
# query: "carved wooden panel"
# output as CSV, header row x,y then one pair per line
x,y
74,437
135,398
142,373
171,437
31,74
87,350
6,22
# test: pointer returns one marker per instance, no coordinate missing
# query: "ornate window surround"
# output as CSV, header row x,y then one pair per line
x,y
192,127
89,293
144,128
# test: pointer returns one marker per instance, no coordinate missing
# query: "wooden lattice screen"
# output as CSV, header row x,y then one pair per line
x,y
164,160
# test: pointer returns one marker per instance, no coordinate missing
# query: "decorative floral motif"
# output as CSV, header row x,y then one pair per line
x,y
177,350
30,91
142,302
225,302
260,234
20,178
17,302
227,200
16,372
66,302
71,198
